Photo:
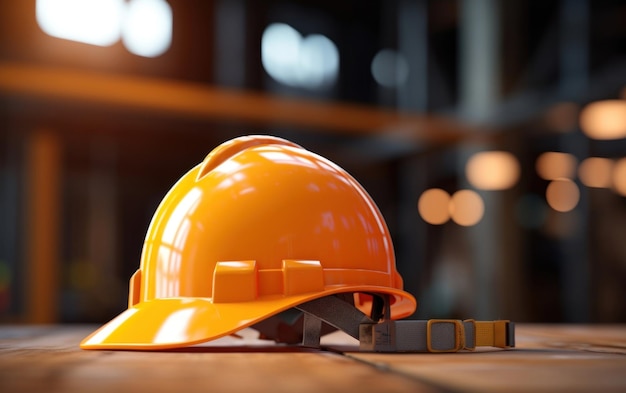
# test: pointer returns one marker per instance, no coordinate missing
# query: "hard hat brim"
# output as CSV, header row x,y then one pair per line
x,y
167,323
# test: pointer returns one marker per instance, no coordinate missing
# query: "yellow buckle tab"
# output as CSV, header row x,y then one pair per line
x,y
502,335
441,332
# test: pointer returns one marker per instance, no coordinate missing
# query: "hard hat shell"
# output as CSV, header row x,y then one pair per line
x,y
260,226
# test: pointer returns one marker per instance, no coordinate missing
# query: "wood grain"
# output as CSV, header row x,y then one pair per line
x,y
568,358
49,360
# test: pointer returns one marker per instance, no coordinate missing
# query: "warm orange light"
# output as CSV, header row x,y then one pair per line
x,y
492,170
562,195
466,207
619,177
596,172
553,165
604,119
433,206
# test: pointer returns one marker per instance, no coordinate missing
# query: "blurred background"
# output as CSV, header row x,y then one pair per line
x,y
491,134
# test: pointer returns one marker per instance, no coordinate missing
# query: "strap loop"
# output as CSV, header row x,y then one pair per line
x,y
435,335
444,335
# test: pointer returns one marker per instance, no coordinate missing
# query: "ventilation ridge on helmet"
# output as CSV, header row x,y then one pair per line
x,y
228,149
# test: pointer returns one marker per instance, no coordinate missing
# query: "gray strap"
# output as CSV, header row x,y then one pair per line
x,y
435,335
387,336
336,312
312,329
414,336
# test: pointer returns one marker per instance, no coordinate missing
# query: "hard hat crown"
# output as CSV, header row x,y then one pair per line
x,y
259,226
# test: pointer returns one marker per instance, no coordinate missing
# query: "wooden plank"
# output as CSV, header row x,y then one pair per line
x,y
595,338
48,359
194,100
514,371
547,358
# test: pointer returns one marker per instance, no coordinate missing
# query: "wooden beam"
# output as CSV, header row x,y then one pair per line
x,y
194,100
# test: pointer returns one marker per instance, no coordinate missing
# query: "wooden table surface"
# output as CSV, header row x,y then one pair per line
x,y
568,358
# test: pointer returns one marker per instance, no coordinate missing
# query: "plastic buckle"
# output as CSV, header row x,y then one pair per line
x,y
510,335
434,332
469,330
504,334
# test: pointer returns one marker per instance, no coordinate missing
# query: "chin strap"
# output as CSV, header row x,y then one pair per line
x,y
435,335
386,335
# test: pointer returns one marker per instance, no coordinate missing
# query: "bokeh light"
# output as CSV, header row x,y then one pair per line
x,y
147,29
562,195
145,26
311,62
390,68
554,165
492,170
604,119
96,22
596,172
619,177
466,207
433,206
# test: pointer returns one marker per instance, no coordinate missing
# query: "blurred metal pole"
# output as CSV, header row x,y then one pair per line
x,y
479,39
11,270
479,69
413,44
412,30
573,86
230,46
574,53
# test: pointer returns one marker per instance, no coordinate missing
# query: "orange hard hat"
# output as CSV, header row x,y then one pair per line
x,y
260,226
